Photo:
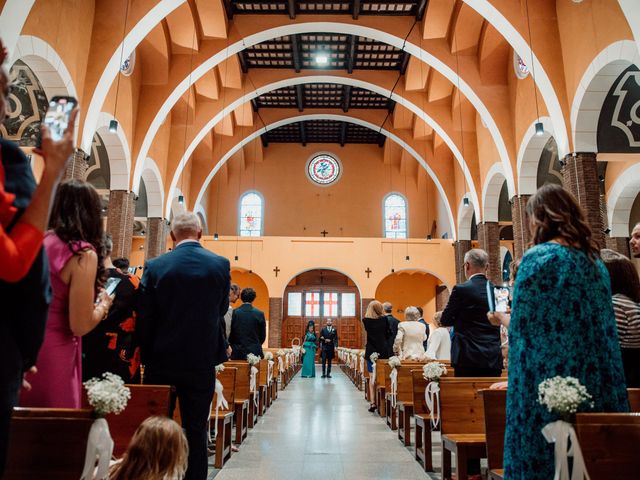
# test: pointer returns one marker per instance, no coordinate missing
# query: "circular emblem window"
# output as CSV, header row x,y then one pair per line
x,y
521,68
324,169
128,64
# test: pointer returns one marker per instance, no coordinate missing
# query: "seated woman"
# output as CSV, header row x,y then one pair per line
x,y
409,342
309,358
439,345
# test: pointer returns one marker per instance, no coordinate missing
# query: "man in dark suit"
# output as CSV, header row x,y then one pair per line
x,y
248,327
475,351
393,323
183,296
328,344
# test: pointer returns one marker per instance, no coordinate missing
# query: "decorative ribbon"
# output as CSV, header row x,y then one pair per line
x,y
253,385
432,398
221,402
100,446
270,364
560,433
373,373
394,386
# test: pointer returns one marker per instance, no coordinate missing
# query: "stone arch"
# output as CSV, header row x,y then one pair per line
x,y
596,82
118,152
529,154
620,199
491,193
12,19
155,189
465,218
202,215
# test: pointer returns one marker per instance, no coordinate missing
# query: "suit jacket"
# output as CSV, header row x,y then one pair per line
x,y
248,331
183,296
329,347
393,323
476,343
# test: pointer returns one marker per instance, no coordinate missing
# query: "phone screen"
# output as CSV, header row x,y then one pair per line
x,y
501,295
58,114
111,284
132,270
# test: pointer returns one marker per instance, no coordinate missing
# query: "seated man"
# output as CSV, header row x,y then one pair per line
x,y
248,327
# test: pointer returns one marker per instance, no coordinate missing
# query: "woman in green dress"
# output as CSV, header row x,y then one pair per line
x,y
562,324
309,346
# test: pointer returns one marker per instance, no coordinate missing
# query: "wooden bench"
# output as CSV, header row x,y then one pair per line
x,y
610,444
224,421
380,391
495,422
462,421
47,443
263,384
246,414
404,401
634,399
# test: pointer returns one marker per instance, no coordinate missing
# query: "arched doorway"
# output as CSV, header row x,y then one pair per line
x,y
410,288
245,278
317,295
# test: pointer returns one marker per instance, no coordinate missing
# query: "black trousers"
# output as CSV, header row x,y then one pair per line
x,y
194,391
326,357
9,392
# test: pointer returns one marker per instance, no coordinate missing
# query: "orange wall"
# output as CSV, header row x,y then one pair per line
x,y
409,289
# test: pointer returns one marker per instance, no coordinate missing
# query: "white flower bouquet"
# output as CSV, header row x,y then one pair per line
x,y
108,394
268,356
304,350
281,353
361,353
563,395
395,362
374,356
220,368
432,371
253,359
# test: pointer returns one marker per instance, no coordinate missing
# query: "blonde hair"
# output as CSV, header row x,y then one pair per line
x,y
157,451
437,318
374,310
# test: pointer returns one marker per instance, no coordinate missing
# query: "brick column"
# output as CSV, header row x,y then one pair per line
x,y
156,241
77,166
618,244
120,221
580,177
442,297
461,247
275,322
521,234
489,238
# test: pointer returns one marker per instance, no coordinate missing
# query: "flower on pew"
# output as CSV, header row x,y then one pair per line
x,y
361,353
432,371
268,356
374,356
304,350
281,353
108,394
220,368
395,362
253,359
563,395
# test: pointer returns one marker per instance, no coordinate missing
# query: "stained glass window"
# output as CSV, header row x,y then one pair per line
x,y
312,304
348,304
251,209
521,68
294,308
395,216
330,304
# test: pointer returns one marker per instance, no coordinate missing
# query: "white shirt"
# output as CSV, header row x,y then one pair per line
x,y
187,240
439,344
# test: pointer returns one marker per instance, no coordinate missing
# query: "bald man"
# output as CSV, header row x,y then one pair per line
x,y
634,242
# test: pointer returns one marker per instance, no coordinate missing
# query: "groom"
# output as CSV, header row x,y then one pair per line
x,y
328,343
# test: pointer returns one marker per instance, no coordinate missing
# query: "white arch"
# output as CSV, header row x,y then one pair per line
x,y
202,213
529,153
118,151
542,80
465,218
596,82
620,200
631,10
335,269
12,19
331,27
324,79
343,118
491,193
154,188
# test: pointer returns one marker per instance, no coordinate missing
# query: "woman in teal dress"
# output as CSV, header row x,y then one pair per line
x,y
562,323
309,359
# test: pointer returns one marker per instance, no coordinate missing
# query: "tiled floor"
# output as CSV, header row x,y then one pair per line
x,y
321,429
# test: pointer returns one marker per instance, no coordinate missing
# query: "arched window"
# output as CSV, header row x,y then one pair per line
x,y
395,216
251,213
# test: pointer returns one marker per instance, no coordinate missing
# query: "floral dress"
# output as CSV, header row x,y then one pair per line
x,y
562,324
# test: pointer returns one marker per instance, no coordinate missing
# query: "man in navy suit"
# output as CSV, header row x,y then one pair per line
x,y
184,295
248,327
328,344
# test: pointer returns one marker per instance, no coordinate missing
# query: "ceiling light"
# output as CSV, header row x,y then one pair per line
x,y
113,126
539,129
181,199
322,59
465,201
215,236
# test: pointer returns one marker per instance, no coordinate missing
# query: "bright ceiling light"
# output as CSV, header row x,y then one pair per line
x,y
322,59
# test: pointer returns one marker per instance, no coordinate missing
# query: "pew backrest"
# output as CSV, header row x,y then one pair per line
x,y
495,420
418,386
381,366
634,399
461,407
228,379
243,378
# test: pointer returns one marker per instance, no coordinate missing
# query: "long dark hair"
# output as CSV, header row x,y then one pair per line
x,y
623,274
555,213
76,216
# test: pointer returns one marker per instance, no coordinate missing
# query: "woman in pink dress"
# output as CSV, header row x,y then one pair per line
x,y
75,252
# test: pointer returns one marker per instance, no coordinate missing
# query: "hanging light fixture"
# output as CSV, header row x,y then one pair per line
x,y
215,236
113,124
322,58
465,201
181,199
539,127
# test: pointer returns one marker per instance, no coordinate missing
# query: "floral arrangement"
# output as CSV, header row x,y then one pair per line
x,y
394,362
563,395
220,368
268,356
304,350
253,359
361,353
432,371
374,356
107,395
281,353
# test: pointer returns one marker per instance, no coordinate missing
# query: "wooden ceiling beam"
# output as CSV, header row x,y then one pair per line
x,y
343,133
346,98
351,60
355,12
303,134
295,47
299,98
291,7
422,9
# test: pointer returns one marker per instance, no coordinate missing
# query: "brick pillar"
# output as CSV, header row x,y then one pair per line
x,y
521,234
618,244
275,322
120,221
461,247
77,166
489,238
156,241
442,297
580,177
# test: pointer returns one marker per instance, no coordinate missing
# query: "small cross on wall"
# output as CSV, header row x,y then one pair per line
x,y
324,233
368,271
276,271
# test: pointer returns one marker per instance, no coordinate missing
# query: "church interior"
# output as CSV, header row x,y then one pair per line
x,y
338,152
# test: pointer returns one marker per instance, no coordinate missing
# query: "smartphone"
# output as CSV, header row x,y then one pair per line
x,y
58,115
111,284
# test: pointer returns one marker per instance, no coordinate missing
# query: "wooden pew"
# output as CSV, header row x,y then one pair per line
x,y
422,419
404,406
495,420
243,396
462,421
609,443
634,399
47,443
380,391
263,383
224,418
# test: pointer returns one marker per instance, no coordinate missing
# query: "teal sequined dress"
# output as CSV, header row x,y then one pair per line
x,y
309,357
562,324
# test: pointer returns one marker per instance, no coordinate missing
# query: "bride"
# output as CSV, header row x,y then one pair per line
x,y
309,346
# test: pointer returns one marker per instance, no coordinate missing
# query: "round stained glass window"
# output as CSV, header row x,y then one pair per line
x,y
128,64
521,68
324,169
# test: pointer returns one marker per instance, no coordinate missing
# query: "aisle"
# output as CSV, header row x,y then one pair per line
x,y
320,429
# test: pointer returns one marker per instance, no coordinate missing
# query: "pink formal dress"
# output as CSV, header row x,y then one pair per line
x,y
58,383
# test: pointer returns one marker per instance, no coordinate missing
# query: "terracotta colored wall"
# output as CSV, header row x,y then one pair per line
x,y
245,279
406,289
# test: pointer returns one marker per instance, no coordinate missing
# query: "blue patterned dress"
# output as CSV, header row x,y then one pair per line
x,y
562,324
309,358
